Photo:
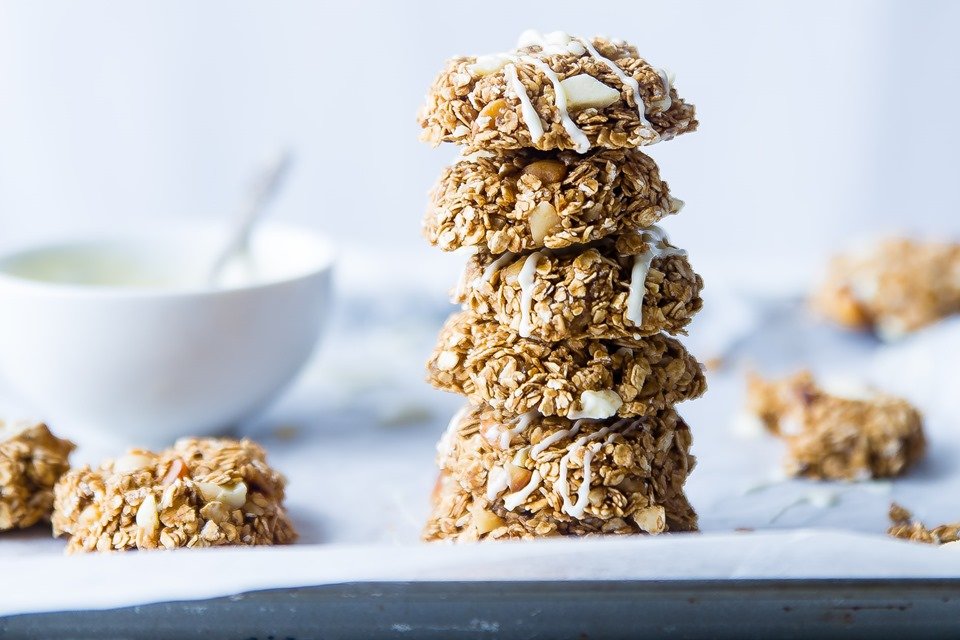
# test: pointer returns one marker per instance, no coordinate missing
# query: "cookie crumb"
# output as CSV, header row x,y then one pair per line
x,y
904,526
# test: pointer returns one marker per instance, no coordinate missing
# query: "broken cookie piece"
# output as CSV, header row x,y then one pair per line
x,y
849,434
31,461
203,492
896,287
906,528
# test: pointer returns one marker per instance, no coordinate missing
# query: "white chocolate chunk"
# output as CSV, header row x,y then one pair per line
x,y
584,92
234,497
597,405
485,65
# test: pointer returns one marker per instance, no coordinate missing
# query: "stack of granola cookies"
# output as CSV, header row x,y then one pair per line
x,y
569,297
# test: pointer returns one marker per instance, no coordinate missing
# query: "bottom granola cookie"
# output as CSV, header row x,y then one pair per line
x,y
536,476
203,492
31,461
853,435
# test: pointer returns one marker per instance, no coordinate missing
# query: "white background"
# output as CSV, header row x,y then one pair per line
x,y
820,121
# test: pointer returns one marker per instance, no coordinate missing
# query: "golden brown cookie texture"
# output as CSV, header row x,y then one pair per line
x,y
202,492
904,526
490,364
613,288
853,435
525,199
538,476
575,93
31,461
895,287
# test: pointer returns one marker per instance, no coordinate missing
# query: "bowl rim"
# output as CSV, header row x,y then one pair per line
x,y
324,263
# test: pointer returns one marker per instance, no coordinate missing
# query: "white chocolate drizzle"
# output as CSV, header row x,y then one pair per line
x,y
625,79
657,247
494,266
525,279
444,445
507,435
515,499
576,509
580,141
498,480
530,116
665,102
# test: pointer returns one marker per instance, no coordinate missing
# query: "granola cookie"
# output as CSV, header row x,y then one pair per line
x,y
526,199
854,436
490,364
897,287
905,527
555,92
636,285
31,461
538,476
203,492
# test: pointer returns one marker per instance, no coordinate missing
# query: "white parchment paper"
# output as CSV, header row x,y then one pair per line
x,y
356,437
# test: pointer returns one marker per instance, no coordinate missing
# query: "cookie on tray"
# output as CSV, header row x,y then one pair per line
x,y
896,287
842,434
534,476
555,92
526,199
636,285
31,461
491,364
203,492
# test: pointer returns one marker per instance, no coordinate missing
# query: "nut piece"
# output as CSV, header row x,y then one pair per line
x,y
651,519
519,477
543,220
548,171
485,65
233,496
133,461
493,109
486,521
447,360
586,92
148,520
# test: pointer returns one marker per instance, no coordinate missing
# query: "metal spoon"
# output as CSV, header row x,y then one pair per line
x,y
264,189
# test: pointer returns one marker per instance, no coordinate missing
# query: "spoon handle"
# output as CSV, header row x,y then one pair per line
x,y
265,187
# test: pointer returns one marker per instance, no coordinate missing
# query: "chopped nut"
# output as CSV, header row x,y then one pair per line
x,y
132,462
148,520
233,496
547,171
447,360
493,109
486,521
519,476
543,219
651,519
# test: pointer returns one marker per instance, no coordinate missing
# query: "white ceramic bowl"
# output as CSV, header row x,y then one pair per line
x,y
157,354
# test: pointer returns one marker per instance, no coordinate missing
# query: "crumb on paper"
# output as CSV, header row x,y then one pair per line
x,y
854,437
203,492
904,526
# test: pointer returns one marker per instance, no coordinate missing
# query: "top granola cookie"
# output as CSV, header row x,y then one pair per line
x,y
554,92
